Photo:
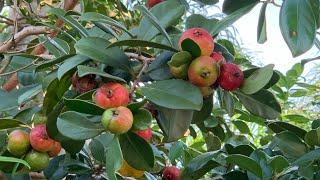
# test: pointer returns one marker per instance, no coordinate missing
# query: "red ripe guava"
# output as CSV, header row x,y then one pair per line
x,y
39,139
111,95
146,134
231,77
151,3
55,150
201,37
171,173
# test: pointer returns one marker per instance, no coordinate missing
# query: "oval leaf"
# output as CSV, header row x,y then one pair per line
x,y
82,106
298,25
76,126
174,93
136,151
246,163
262,103
257,80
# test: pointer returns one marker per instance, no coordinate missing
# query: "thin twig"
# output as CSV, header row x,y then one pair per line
x,y
19,69
136,81
145,61
139,57
5,65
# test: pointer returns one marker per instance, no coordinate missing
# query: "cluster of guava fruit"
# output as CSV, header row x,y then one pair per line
x,y
117,118
208,69
35,147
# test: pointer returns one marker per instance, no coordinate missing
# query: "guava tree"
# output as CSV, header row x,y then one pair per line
x,y
151,90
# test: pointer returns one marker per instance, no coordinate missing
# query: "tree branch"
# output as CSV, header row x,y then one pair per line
x,y
139,57
145,61
25,32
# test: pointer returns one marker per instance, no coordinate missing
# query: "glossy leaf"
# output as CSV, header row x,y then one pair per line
x,y
175,94
154,21
71,63
280,126
257,80
82,106
96,49
148,31
262,25
298,25
113,158
76,126
246,163
230,6
142,119
10,123
173,122
197,20
86,70
231,18
12,159
307,157
262,103
136,151
199,166
290,144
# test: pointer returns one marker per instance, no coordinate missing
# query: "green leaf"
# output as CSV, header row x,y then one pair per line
x,y
173,122
213,142
159,69
136,151
243,149
280,126
71,63
68,19
96,17
242,126
175,151
262,103
31,93
142,119
174,93
77,127
83,106
262,25
96,48
278,164
154,21
50,63
113,158
231,18
307,157
10,123
296,118
12,159
227,102
230,6
246,163
199,166
147,31
312,137
197,20
298,25
228,48
290,144
141,43
257,80
191,47
204,113
86,70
